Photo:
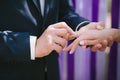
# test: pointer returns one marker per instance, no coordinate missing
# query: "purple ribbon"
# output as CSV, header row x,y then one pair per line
x,y
118,57
82,57
113,53
102,57
93,55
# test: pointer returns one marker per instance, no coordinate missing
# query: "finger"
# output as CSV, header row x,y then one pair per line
x,y
77,41
100,25
74,46
80,41
104,44
62,33
81,31
67,48
89,35
57,48
89,42
71,37
110,41
78,33
100,46
60,41
96,47
64,25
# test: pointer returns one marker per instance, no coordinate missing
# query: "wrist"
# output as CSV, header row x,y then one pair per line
x,y
38,50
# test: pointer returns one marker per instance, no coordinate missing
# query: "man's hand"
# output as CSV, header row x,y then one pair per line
x,y
91,26
55,38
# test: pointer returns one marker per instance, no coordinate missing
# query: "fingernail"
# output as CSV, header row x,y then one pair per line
x,y
70,52
82,42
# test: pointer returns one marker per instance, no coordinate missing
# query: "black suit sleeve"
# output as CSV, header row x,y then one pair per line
x,y
68,14
14,46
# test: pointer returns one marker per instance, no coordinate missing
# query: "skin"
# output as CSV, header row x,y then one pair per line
x,y
55,37
88,31
100,35
94,26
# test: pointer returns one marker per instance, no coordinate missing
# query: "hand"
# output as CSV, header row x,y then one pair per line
x,y
94,26
91,26
94,38
53,38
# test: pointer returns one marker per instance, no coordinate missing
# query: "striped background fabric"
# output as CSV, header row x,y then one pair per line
x,y
84,64
114,53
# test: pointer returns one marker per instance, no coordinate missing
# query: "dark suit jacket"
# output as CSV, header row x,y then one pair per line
x,y
18,20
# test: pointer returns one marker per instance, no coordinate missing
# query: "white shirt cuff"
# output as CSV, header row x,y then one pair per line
x,y
82,24
32,46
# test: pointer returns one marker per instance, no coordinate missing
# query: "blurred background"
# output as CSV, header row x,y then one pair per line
x,y
84,64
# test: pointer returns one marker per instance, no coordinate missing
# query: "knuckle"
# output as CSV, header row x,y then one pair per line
x,y
63,43
93,23
63,24
50,28
65,31
105,42
101,23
